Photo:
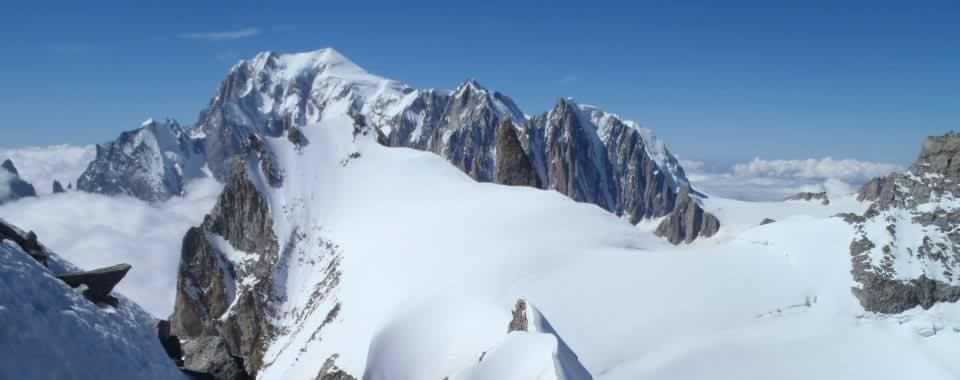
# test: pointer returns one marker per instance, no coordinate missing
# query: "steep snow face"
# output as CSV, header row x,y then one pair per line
x,y
41,165
151,163
50,331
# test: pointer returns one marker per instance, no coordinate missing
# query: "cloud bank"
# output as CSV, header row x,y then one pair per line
x,y
772,180
41,165
93,230
222,36
824,168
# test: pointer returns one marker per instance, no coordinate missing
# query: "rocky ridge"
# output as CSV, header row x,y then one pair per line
x,y
906,252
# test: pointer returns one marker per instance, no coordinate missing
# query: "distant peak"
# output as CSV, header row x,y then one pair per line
x,y
288,66
148,122
470,85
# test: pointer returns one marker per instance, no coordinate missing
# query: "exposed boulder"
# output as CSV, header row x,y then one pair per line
x,y
99,282
688,221
766,221
810,196
512,166
57,187
296,137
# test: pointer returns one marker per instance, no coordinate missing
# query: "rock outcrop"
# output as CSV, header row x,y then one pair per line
x,y
906,251
872,189
688,221
513,167
57,187
767,221
12,187
809,196
152,163
97,283
224,281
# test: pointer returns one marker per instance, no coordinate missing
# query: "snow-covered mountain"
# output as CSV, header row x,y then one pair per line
x,y
152,163
581,151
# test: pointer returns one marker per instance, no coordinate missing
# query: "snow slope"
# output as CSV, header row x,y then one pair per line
x,y
425,251
50,331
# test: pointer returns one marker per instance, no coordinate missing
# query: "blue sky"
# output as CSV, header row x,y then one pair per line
x,y
718,83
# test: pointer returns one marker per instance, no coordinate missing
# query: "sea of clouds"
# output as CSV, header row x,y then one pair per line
x,y
772,180
93,231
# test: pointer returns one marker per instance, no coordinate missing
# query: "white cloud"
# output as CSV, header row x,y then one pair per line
x,y
42,165
772,180
692,165
824,168
93,230
222,36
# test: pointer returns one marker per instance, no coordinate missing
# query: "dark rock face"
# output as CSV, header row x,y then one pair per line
x,y
151,163
209,282
688,221
12,187
872,190
808,196
171,343
766,221
99,282
513,167
208,357
467,129
57,187
895,270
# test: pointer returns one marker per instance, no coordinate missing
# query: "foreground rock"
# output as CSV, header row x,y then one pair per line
x,y
50,332
98,283
12,187
808,196
906,252
688,221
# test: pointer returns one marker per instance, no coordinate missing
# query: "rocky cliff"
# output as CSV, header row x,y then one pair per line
x,y
906,252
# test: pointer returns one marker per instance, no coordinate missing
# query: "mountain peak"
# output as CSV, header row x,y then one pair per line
x,y
289,66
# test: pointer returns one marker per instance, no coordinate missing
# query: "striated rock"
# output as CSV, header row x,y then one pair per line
x,y
809,196
688,221
12,187
152,163
513,167
57,187
99,282
871,190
